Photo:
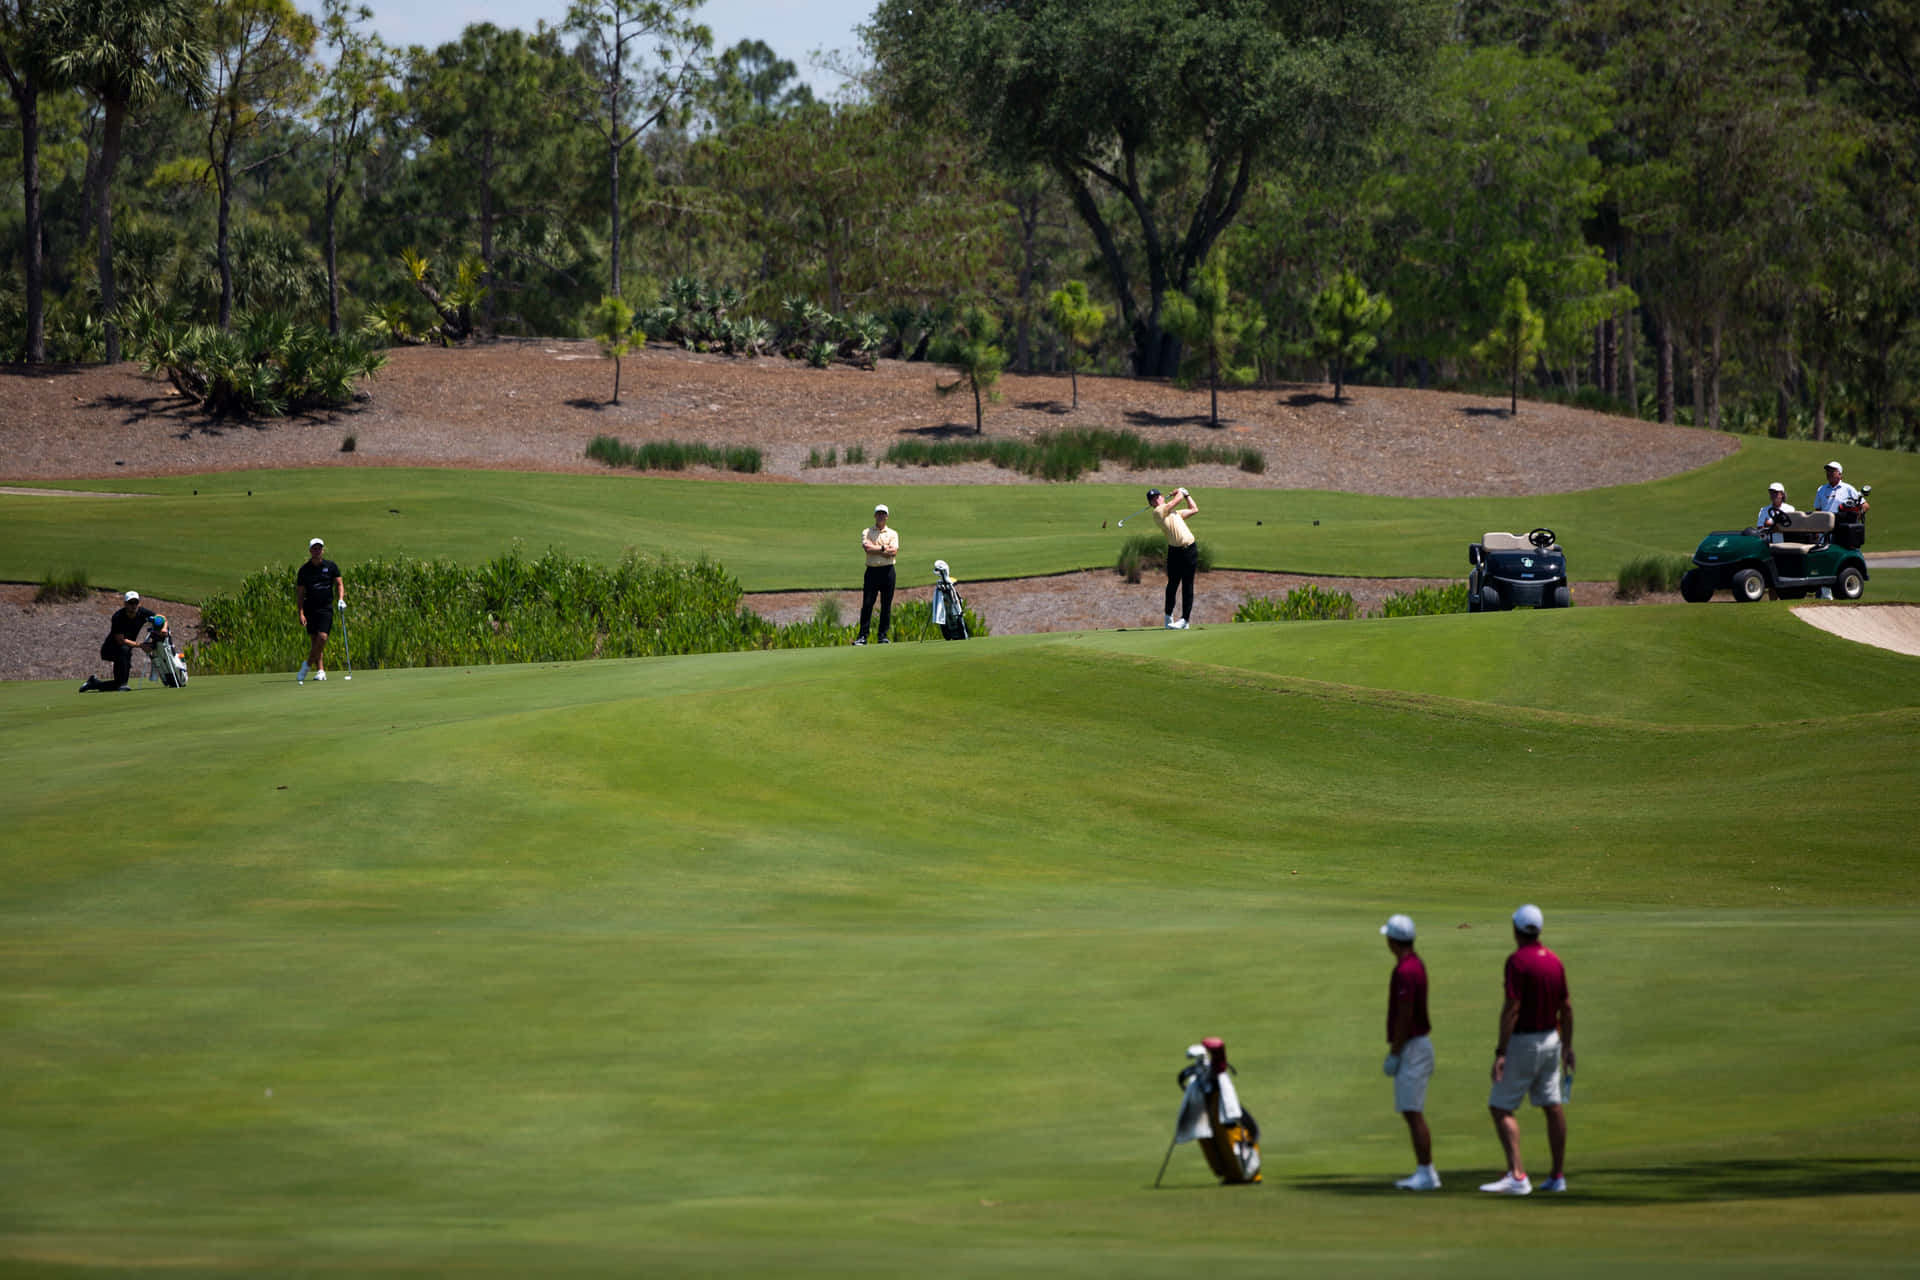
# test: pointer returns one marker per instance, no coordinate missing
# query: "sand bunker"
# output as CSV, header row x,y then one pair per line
x,y
1886,626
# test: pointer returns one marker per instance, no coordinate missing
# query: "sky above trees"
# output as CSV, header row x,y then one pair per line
x,y
793,28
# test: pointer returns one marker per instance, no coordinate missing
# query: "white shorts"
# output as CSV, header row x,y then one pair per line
x,y
1533,1071
1416,1068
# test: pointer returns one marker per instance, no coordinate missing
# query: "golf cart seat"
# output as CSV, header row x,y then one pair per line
x,y
1505,542
1805,531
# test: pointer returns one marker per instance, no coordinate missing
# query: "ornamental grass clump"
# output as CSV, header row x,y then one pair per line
x,y
1310,603
1068,454
56,587
1650,574
1425,601
672,455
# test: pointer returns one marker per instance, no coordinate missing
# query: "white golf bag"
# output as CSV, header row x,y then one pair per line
x,y
1211,1114
164,662
949,611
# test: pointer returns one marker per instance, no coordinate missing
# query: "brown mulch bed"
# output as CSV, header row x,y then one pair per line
x,y
534,405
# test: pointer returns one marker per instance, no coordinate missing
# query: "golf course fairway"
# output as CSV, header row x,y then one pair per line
x,y
882,961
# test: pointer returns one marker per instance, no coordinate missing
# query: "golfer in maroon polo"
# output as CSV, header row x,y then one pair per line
x,y
1536,1036
1409,1050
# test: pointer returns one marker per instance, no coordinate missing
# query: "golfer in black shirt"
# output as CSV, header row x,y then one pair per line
x,y
123,637
318,590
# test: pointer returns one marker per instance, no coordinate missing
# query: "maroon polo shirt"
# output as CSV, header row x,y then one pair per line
x,y
1408,990
1537,979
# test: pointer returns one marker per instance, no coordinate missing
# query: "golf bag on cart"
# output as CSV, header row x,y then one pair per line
x,y
1211,1114
1850,522
164,663
949,611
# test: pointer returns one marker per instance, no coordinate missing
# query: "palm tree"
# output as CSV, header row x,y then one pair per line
x,y
126,54
23,65
975,354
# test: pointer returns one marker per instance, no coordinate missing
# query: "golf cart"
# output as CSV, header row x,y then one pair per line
x,y
1509,570
1821,551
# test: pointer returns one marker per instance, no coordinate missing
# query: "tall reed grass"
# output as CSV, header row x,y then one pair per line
x,y
1650,574
55,587
417,613
1068,454
671,455
1310,603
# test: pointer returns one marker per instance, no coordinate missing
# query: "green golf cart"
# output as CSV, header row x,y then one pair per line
x,y
1809,558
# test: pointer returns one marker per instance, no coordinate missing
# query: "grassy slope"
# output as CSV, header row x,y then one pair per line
x,y
809,963
178,544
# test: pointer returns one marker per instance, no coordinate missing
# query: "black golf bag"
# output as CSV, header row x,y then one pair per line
x,y
949,611
1211,1114
164,663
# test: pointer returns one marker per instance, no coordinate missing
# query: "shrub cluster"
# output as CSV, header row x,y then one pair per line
x,y
265,366
1149,551
670,455
1313,603
1069,454
415,613
1650,574
1310,603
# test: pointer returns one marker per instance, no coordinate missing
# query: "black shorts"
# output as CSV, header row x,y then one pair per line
x,y
320,621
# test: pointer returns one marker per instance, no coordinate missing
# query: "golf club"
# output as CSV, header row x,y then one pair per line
x,y
1148,507
346,640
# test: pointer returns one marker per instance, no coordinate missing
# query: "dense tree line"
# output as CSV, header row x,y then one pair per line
x,y
1696,210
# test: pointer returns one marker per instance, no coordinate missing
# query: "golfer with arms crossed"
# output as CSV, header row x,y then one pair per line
x,y
1536,1035
882,546
318,590
1409,1051
1183,553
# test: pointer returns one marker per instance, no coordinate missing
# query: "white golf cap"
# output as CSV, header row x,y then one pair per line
x,y
317,542
880,509
131,595
1399,928
1835,466
1528,919
1776,487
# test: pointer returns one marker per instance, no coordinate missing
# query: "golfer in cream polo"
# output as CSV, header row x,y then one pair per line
x,y
882,546
1409,1051
1183,553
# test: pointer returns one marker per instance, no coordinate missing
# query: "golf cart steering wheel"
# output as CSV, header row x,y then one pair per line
x,y
1541,538
1781,519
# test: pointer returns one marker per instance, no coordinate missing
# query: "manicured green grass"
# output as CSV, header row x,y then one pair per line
x,y
177,543
882,961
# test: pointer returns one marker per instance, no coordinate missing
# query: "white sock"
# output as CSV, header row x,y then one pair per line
x,y
1428,1170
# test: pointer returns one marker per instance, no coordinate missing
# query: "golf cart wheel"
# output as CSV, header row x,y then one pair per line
x,y
1490,601
1749,585
1851,584
1562,598
1695,587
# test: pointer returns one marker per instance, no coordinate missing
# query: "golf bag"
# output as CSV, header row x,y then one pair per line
x,y
949,611
1850,523
164,663
1211,1114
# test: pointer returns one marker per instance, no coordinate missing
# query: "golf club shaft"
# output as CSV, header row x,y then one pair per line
x,y
1163,1161
1142,511
346,639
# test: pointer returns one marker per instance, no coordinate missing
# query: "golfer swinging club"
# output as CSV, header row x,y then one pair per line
x,y
1183,553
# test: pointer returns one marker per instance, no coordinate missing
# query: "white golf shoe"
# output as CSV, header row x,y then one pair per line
x,y
1180,625
1553,1184
319,675
1422,1179
1508,1185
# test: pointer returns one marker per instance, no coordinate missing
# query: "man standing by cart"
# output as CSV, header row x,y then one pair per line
x,y
1183,552
882,546
318,592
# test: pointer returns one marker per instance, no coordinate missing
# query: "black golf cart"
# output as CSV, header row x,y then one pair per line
x,y
1510,571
